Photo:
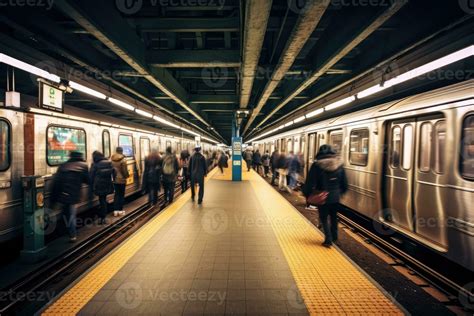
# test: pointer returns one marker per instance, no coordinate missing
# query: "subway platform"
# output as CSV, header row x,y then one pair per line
x,y
244,251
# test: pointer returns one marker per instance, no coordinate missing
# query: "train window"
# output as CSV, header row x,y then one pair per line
x,y
395,148
425,147
467,150
407,146
335,140
144,147
126,142
106,143
439,146
5,141
359,145
61,141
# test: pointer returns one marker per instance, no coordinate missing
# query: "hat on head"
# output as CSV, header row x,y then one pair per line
x,y
325,151
197,148
76,155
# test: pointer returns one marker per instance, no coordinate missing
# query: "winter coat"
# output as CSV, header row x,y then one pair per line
x,y
152,172
171,159
294,165
120,168
274,160
266,160
223,160
282,162
197,167
68,181
101,177
327,174
257,158
248,155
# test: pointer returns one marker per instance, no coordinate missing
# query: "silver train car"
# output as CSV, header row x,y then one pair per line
x,y
35,141
410,165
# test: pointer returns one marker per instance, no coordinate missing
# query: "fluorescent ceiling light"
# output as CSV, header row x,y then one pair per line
x,y
92,92
161,120
370,91
144,113
339,103
189,131
122,104
28,68
288,124
314,113
208,139
299,119
435,64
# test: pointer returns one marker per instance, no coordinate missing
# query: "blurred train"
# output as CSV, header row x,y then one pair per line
x,y
35,141
410,165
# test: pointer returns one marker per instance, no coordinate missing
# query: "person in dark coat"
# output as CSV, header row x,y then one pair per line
x,y
170,169
282,165
248,158
198,171
274,165
152,176
266,163
222,163
67,185
121,174
184,162
327,174
293,170
257,161
101,181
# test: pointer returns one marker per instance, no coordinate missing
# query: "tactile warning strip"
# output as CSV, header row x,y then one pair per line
x,y
90,284
329,283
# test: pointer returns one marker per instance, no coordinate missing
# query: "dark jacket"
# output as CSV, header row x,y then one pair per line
x,y
257,158
223,160
282,162
68,181
174,161
274,160
152,172
248,155
120,168
266,160
327,174
101,176
197,167
294,165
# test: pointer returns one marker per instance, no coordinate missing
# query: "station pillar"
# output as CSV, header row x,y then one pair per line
x,y
236,158
34,248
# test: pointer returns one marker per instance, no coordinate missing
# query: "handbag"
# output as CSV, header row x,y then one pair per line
x,y
317,198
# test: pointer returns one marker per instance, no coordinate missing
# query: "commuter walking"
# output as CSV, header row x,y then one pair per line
x,y
257,161
282,165
121,175
101,176
293,170
327,182
67,189
170,172
274,165
266,164
198,171
248,159
152,176
184,163
223,158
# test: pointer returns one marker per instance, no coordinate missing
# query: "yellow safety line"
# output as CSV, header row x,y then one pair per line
x,y
329,283
90,284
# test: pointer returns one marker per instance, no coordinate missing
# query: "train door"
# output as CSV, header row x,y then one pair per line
x,y
413,170
289,145
311,148
144,151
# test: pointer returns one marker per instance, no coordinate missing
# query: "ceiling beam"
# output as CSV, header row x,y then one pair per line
x,y
330,61
186,25
305,25
193,58
214,99
257,14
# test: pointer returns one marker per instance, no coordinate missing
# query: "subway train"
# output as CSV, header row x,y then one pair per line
x,y
410,165
35,141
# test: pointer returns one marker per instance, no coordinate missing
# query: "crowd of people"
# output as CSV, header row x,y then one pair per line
x,y
105,177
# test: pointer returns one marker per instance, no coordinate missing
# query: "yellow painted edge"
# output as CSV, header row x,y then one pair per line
x,y
72,301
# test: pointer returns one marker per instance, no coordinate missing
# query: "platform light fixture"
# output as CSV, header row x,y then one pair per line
x,y
300,119
86,90
288,124
163,121
314,113
29,68
144,113
189,131
370,91
122,104
339,103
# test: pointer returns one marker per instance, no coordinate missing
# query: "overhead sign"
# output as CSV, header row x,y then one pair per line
x,y
51,98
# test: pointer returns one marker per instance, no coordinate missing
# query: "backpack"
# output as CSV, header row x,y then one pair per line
x,y
168,165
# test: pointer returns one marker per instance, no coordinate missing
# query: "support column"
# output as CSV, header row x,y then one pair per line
x,y
236,153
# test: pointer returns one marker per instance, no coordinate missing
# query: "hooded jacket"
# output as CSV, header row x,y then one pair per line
x,y
101,176
120,168
197,167
327,174
68,181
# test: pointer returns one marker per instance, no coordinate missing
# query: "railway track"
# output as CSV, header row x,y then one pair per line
x,y
52,277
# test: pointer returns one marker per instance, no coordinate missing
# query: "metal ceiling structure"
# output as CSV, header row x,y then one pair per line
x,y
198,62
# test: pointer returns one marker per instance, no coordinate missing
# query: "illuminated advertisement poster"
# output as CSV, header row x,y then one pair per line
x,y
126,142
63,140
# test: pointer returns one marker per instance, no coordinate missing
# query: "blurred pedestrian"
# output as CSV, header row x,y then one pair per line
x,y
67,184
170,172
223,158
198,171
184,163
293,170
257,161
274,165
266,163
101,177
248,157
121,175
152,176
283,164
326,182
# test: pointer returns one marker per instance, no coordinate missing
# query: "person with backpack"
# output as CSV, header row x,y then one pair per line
x,y
266,164
170,172
257,161
121,174
101,181
325,184
184,162
152,176
67,185
248,157
274,165
222,163
198,171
